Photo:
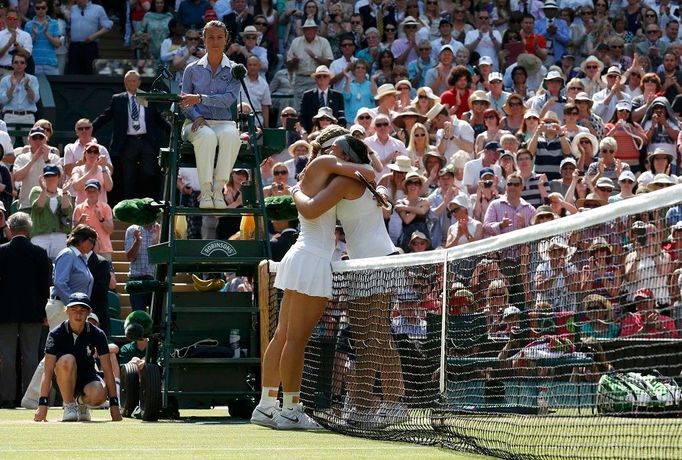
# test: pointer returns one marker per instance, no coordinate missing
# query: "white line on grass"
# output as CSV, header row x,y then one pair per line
x,y
220,449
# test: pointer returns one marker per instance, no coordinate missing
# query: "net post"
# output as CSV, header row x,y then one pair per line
x,y
444,309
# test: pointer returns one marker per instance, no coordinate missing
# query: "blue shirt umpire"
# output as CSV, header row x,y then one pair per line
x,y
208,92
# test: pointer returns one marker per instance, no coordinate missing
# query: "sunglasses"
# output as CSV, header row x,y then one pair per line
x,y
404,88
585,142
574,88
483,18
364,117
571,113
250,37
424,49
420,135
92,240
650,15
651,32
513,184
280,172
515,104
355,23
381,125
608,151
83,128
40,8
624,110
423,97
37,137
289,115
617,46
604,189
649,80
592,67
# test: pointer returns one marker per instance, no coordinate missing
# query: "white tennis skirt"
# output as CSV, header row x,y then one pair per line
x,y
306,270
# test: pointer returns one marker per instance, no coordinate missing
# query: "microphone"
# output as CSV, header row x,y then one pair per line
x,y
238,71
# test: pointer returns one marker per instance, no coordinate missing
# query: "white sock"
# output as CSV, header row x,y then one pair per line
x,y
265,399
288,399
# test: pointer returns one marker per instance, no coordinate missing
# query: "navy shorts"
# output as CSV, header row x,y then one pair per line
x,y
83,379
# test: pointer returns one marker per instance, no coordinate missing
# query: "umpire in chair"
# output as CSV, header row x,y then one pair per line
x,y
208,92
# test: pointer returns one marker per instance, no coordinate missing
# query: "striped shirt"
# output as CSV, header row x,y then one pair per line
x,y
531,190
496,212
140,266
548,157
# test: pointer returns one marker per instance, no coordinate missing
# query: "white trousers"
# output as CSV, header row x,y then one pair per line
x,y
53,243
220,134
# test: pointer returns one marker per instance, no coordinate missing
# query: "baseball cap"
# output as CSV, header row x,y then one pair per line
x,y
627,175
79,298
492,145
51,170
506,153
486,172
605,182
567,161
485,60
449,169
93,183
494,76
93,316
509,311
36,130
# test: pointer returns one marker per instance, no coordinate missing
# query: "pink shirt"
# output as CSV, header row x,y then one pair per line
x,y
634,322
81,197
103,236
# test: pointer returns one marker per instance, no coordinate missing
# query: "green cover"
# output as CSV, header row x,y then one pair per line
x,y
631,393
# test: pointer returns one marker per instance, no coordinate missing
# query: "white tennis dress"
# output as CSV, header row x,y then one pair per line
x,y
363,224
306,267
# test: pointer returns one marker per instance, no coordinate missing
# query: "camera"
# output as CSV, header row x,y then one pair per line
x,y
640,235
280,187
487,183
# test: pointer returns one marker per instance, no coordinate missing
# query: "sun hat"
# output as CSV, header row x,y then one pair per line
x,y
460,200
530,62
300,143
556,242
412,175
591,60
386,89
614,70
567,161
575,144
605,182
507,108
309,24
590,199
249,30
325,112
402,164
552,75
321,70
543,210
399,119
479,96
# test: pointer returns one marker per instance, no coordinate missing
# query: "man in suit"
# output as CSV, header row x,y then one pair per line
x,y
284,239
237,20
24,289
377,14
136,138
101,272
321,96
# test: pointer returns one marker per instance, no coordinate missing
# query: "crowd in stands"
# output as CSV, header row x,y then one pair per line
x,y
484,117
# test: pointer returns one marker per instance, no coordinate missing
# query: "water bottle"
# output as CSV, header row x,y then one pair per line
x,y
543,401
234,342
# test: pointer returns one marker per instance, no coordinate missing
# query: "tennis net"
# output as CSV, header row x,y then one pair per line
x,y
559,340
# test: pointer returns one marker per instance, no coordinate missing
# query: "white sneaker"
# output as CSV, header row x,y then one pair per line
x,y
391,413
296,419
206,201
219,200
266,416
70,412
83,413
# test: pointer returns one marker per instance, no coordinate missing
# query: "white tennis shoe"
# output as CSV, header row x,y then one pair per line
x,y
266,416
296,419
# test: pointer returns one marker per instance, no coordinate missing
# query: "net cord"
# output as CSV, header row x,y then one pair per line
x,y
640,203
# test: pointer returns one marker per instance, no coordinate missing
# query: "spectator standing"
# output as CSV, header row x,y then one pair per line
x,y
94,167
51,210
487,159
191,13
238,20
28,167
6,185
137,241
405,49
357,89
344,64
19,93
552,99
155,24
555,30
88,22
13,40
24,289
484,40
320,96
605,101
258,89
535,186
74,153
98,215
550,145
103,280
508,212
305,55
5,233
136,136
71,273
46,37
557,279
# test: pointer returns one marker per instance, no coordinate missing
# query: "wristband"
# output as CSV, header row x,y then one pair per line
x,y
42,401
113,401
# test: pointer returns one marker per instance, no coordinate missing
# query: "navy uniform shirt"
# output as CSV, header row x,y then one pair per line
x,y
90,342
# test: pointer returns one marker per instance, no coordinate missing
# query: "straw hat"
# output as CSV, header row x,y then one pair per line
x,y
583,96
530,62
576,143
387,89
507,108
403,82
408,21
325,112
434,111
478,96
402,164
433,152
543,210
590,199
614,70
662,179
399,119
249,30
309,23
660,152
300,143
321,70
412,175
592,60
